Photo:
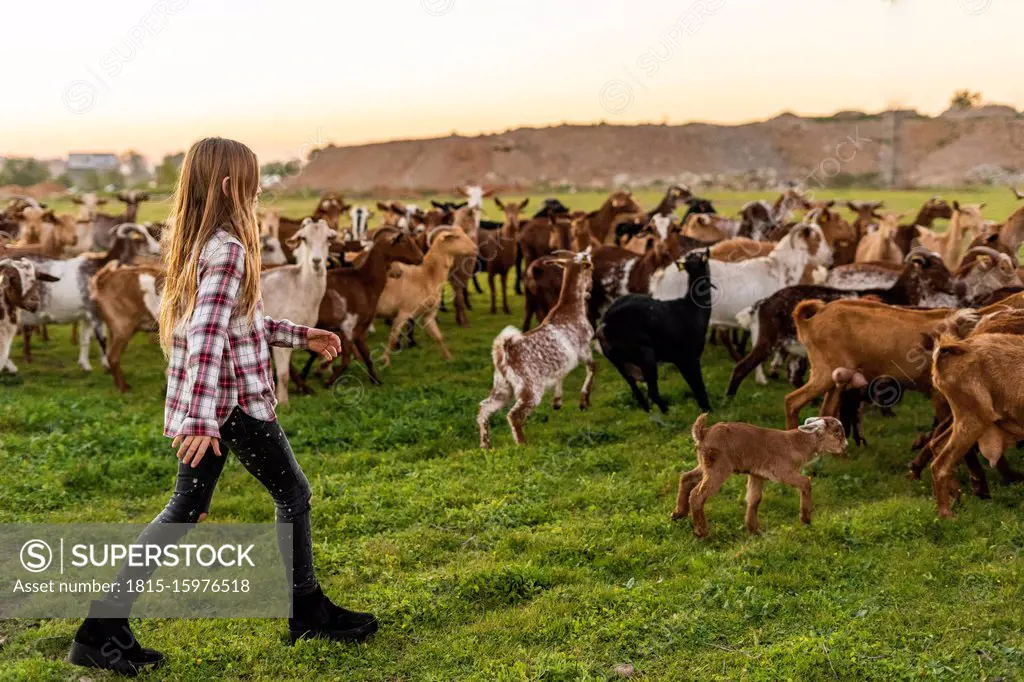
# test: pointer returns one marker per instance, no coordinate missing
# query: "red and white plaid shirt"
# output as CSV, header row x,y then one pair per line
x,y
218,360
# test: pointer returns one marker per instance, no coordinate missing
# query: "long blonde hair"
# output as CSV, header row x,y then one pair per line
x,y
199,209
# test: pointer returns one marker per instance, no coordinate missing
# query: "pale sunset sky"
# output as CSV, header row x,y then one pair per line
x,y
284,76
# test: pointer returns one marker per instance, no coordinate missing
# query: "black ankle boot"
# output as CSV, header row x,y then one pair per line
x,y
314,615
106,641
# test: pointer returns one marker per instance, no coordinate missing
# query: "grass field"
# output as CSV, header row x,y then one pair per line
x,y
554,561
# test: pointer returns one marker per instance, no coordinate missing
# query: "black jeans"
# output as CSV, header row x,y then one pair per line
x,y
263,450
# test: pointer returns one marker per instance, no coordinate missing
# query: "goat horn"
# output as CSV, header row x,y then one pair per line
x,y
433,233
124,228
32,202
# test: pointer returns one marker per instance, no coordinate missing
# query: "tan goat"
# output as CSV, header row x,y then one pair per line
x,y
966,223
416,294
763,454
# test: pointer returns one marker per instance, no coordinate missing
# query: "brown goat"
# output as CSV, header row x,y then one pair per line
x,y
350,303
127,298
763,454
497,250
982,379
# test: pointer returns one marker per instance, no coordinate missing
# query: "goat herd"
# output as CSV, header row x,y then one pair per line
x,y
864,309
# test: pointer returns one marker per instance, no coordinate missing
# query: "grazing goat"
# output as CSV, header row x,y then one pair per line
x,y
416,295
742,284
352,295
527,364
293,292
763,454
19,290
638,332
497,250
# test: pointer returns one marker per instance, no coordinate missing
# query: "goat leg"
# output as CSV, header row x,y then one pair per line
x,y
309,364
758,354
519,271
26,337
1009,474
979,482
687,482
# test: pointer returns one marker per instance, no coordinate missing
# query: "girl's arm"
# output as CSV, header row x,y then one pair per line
x,y
219,280
286,334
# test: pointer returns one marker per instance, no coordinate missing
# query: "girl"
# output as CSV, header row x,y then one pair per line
x,y
220,395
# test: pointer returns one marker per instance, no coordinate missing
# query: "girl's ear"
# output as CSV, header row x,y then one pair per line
x,y
224,185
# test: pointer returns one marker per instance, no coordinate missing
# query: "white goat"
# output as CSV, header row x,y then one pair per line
x,y
744,283
293,292
360,216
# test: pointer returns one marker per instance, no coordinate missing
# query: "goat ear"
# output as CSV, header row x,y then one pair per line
x,y
100,202
460,189
497,202
525,203
293,242
928,342
956,205
77,200
489,192
982,206
387,209
44,277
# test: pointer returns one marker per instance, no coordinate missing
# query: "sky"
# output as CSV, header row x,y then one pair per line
x,y
287,76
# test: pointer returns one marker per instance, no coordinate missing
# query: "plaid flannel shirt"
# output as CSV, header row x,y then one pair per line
x,y
218,360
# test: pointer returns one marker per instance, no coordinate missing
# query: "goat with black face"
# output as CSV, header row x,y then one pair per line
x,y
638,332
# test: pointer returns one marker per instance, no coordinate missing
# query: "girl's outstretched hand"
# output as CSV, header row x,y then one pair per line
x,y
326,343
192,449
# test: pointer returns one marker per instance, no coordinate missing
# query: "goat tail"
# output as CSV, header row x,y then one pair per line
x,y
700,428
499,350
805,310
962,322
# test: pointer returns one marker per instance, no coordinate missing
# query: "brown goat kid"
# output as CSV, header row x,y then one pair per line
x,y
762,454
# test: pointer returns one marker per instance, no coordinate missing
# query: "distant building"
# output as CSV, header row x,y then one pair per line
x,y
89,167
93,162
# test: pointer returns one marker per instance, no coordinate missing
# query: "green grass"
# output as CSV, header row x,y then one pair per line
x,y
554,561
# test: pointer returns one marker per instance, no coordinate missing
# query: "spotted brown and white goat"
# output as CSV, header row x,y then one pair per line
x,y
527,364
19,290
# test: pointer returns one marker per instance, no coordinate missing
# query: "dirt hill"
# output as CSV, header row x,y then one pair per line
x,y
895,148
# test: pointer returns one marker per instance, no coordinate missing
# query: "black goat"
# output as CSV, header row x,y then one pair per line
x,y
638,332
